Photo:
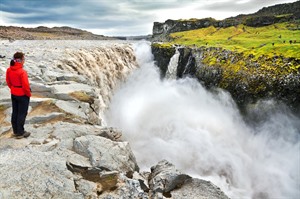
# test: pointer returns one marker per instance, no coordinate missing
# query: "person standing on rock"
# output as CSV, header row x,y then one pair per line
x,y
17,81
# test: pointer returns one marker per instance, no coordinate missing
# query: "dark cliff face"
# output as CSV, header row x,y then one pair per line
x,y
264,17
162,56
244,86
161,30
280,9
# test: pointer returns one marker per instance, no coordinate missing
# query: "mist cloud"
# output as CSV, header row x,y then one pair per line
x,y
204,135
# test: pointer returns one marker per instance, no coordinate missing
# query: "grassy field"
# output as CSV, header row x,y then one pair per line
x,y
273,40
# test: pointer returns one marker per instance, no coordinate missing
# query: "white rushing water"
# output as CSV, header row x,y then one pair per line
x,y
204,135
171,73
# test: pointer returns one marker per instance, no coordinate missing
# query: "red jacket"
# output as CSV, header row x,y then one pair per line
x,y
17,80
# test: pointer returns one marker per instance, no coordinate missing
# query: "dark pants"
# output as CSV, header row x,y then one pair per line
x,y
19,112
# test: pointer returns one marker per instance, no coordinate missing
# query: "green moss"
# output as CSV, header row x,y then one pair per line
x,y
255,57
162,45
256,52
167,48
256,74
250,40
284,15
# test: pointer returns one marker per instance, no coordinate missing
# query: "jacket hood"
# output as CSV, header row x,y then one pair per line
x,y
16,66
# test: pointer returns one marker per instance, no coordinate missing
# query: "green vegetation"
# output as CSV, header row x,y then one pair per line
x,y
162,45
256,59
273,40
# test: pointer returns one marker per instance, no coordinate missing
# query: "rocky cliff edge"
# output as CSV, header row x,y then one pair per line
x,y
70,153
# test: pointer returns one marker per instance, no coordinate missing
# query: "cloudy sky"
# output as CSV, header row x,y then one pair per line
x,y
120,17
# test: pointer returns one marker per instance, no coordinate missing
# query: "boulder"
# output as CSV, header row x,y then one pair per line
x,y
164,178
198,189
165,181
106,154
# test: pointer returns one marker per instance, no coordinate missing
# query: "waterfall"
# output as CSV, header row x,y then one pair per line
x,y
204,135
171,73
188,68
103,66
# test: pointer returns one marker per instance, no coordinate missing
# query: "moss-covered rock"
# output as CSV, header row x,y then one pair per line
x,y
247,78
162,55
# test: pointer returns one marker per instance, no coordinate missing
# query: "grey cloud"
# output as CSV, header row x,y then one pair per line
x,y
234,6
43,11
123,15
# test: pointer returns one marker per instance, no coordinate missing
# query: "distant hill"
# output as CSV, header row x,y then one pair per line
x,y
279,9
45,33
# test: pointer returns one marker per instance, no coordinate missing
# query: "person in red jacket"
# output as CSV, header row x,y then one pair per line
x,y
17,81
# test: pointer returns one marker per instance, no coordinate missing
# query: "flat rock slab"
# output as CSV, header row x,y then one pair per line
x,y
72,87
36,175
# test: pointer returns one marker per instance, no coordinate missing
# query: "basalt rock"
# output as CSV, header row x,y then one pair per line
x,y
246,79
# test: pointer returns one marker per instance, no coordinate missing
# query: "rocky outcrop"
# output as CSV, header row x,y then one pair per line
x,y
264,17
75,161
162,55
70,152
161,31
247,79
165,180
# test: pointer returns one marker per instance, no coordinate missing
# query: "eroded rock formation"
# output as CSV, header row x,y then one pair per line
x,y
71,153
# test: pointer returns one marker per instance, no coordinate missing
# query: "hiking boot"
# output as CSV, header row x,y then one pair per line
x,y
18,136
26,134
